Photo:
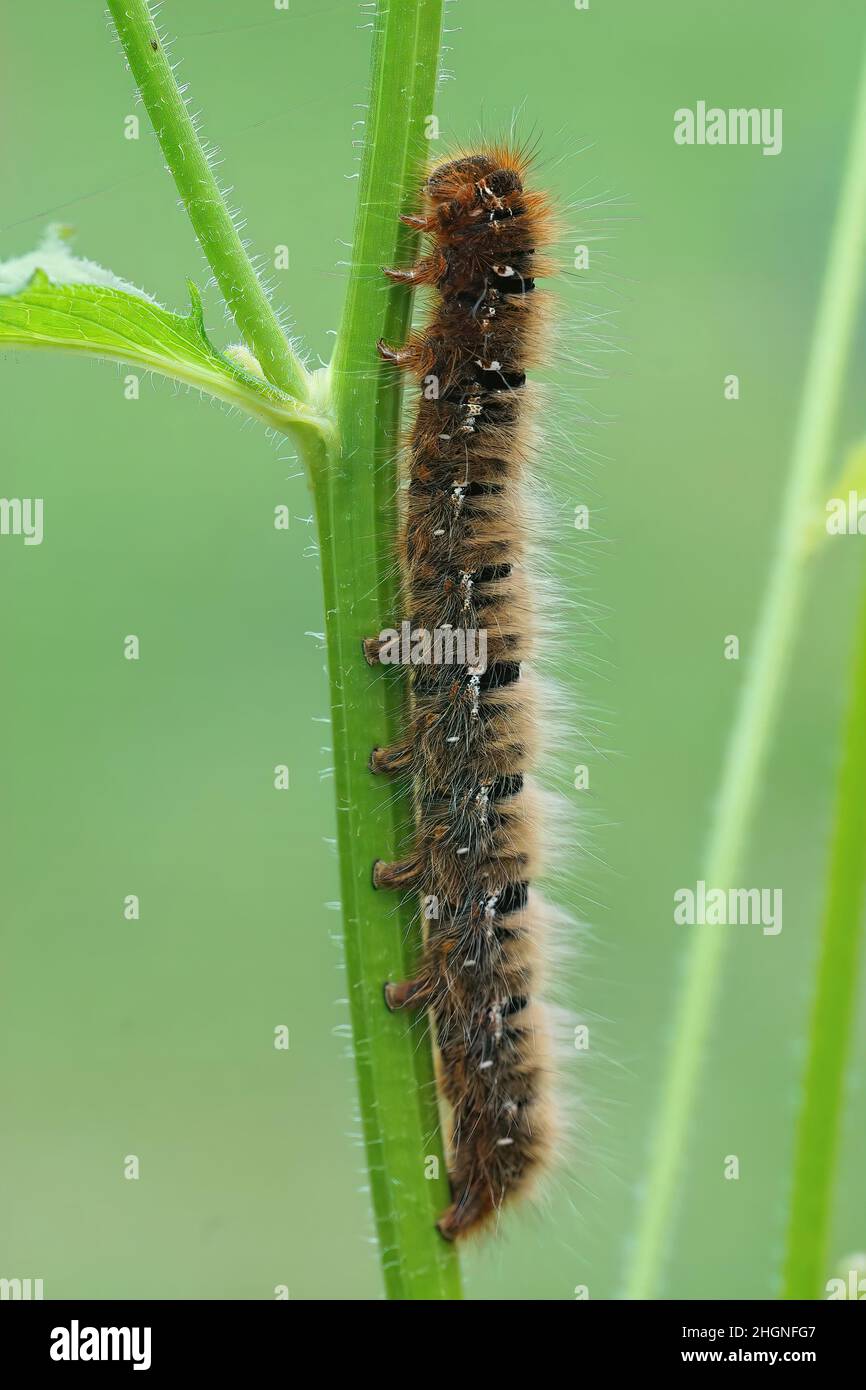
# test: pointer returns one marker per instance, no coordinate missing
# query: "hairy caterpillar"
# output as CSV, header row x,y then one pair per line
x,y
472,733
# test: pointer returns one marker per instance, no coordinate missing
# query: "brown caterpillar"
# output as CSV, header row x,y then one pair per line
x,y
471,738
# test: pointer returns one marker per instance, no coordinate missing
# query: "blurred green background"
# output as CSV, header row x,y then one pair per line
x,y
154,777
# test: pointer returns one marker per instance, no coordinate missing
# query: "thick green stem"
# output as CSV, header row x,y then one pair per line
x,y
356,504
199,191
833,1010
355,490
758,709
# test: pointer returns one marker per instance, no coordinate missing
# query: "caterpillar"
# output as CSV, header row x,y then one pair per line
x,y
471,737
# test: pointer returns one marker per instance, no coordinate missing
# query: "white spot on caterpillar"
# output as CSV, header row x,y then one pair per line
x,y
475,694
503,271
487,193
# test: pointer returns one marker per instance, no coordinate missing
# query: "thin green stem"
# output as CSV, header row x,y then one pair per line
x,y
200,194
759,702
356,508
820,1118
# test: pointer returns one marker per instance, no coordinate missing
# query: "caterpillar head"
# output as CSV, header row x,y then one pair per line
x,y
473,186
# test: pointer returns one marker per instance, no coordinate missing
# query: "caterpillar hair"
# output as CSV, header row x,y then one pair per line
x,y
471,742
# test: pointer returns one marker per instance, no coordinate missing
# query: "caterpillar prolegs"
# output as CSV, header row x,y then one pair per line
x,y
472,730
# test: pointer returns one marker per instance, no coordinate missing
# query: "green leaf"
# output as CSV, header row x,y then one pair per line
x,y
50,299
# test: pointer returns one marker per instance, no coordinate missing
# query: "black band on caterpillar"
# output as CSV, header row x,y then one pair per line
x,y
471,728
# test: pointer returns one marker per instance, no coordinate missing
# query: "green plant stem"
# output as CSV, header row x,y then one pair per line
x,y
200,194
746,753
357,524
820,1118
355,489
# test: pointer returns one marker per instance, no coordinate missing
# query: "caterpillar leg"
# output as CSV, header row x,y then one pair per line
x,y
398,758
420,224
425,272
400,357
416,356
386,649
408,994
401,873
470,1208
372,649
